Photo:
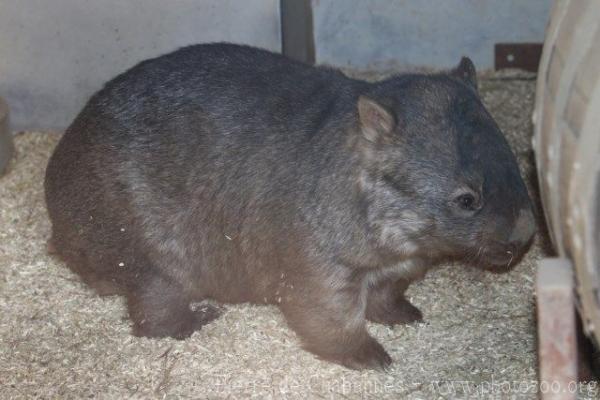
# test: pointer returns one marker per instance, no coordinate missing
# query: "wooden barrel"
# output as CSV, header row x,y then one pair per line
x,y
567,144
6,145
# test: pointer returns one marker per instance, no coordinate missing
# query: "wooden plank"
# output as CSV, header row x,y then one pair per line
x,y
557,334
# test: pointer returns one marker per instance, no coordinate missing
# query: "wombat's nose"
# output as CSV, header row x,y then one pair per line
x,y
524,228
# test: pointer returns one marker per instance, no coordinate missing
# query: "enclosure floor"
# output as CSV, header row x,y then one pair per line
x,y
59,340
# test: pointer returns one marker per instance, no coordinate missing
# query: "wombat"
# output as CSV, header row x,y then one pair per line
x,y
230,174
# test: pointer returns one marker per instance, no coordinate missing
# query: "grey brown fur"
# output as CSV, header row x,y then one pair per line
x,y
230,173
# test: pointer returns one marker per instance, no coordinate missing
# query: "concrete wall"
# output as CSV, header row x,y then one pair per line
x,y
435,33
55,53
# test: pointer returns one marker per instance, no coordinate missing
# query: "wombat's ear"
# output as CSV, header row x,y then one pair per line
x,y
375,120
466,72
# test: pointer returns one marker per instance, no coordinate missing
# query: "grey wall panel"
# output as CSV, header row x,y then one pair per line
x,y
55,54
433,33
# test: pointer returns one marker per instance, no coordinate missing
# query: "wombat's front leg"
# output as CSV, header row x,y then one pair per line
x,y
159,307
387,305
328,315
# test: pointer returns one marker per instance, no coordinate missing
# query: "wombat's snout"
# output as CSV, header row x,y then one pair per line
x,y
524,228
507,253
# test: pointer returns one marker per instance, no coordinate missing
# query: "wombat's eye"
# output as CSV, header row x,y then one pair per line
x,y
466,201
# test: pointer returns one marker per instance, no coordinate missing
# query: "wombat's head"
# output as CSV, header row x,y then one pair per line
x,y
438,176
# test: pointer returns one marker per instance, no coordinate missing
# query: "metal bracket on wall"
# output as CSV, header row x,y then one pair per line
x,y
6,145
297,38
518,55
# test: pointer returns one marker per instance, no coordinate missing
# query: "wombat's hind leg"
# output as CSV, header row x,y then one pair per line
x,y
78,261
387,305
159,307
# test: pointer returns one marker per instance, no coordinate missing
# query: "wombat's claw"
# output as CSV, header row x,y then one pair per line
x,y
181,326
370,355
198,318
401,312
50,247
206,313
405,313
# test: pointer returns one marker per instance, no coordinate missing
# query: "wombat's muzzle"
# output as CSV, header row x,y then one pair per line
x,y
508,253
524,227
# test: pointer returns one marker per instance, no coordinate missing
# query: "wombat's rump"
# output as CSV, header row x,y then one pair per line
x,y
230,173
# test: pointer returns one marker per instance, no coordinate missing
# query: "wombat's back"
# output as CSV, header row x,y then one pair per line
x,y
187,148
228,83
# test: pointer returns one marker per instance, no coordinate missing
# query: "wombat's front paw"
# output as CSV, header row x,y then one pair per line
x,y
404,313
369,355
398,312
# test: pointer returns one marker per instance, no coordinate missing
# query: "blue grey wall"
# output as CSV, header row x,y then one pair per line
x,y
432,33
55,53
